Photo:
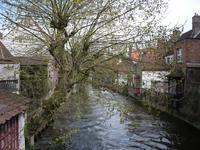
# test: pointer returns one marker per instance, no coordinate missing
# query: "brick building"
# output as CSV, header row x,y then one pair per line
x,y
187,57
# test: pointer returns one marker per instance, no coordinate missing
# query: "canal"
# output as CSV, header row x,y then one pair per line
x,y
109,121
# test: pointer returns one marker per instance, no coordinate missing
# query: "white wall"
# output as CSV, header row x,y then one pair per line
x,y
10,72
149,76
21,120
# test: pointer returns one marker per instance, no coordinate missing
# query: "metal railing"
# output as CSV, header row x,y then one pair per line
x,y
10,85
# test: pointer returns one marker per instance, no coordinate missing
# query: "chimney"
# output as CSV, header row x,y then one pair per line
x,y
196,24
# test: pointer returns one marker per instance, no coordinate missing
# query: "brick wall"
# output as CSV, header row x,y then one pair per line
x,y
191,50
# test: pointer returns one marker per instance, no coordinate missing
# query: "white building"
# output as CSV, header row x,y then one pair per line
x,y
155,80
9,71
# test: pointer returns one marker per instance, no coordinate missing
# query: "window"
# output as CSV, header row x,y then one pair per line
x,y
169,59
179,55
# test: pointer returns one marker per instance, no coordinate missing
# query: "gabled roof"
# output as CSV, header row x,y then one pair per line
x,y
4,52
10,105
7,58
189,35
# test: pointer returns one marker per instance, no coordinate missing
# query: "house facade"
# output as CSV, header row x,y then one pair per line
x,y
149,72
35,76
32,76
9,71
12,106
187,61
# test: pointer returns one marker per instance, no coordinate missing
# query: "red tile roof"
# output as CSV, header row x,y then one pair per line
x,y
10,105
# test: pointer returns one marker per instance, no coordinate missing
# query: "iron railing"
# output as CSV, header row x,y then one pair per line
x,y
10,85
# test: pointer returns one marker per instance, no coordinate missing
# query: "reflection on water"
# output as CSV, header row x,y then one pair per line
x,y
113,123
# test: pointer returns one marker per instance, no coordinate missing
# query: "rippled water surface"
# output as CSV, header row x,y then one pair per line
x,y
114,123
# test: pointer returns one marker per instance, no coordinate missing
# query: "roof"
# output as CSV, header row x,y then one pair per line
x,y
32,60
189,35
5,56
7,61
10,105
4,52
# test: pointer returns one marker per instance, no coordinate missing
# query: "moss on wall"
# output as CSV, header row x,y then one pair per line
x,y
34,81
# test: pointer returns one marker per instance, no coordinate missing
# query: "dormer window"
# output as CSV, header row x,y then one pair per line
x,y
179,55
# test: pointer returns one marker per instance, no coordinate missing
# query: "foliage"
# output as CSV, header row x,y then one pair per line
x,y
34,81
166,39
80,35
27,138
156,100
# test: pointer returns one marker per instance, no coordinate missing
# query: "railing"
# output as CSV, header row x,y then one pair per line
x,y
9,85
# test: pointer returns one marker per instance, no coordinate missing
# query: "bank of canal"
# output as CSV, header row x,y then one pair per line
x,y
112,122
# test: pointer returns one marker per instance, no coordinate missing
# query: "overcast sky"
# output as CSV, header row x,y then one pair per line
x,y
181,12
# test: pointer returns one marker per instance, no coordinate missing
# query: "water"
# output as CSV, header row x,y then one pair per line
x,y
112,122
